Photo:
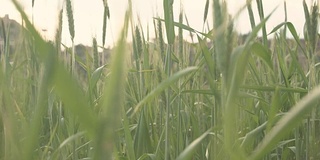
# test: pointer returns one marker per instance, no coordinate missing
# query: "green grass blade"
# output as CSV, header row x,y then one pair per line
x,y
293,32
261,15
273,88
73,98
238,63
308,20
274,108
113,98
206,9
285,17
71,138
250,136
46,54
162,86
96,75
187,28
287,123
128,137
251,15
142,141
168,18
262,52
189,151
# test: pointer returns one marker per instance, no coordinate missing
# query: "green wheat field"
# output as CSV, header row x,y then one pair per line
x,y
223,96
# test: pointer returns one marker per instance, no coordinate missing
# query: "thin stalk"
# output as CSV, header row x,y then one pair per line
x,y
297,143
168,100
285,18
168,14
251,15
261,15
181,61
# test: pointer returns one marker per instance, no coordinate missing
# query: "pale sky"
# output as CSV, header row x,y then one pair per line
x,y
88,15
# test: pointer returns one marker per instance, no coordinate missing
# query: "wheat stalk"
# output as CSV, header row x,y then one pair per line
x,y
95,53
106,15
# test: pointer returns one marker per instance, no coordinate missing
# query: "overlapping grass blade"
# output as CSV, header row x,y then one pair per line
x,y
287,123
262,52
55,76
190,150
104,112
261,15
113,99
161,87
238,62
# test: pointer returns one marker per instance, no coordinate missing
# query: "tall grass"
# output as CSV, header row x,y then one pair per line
x,y
225,97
